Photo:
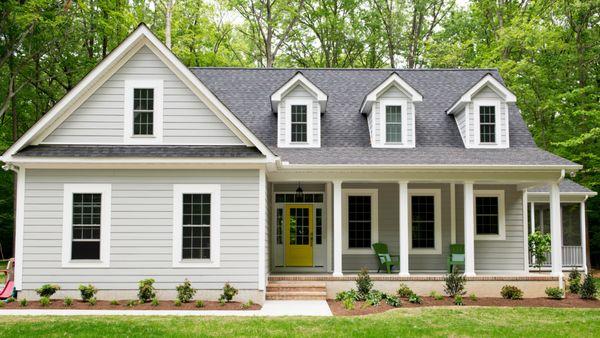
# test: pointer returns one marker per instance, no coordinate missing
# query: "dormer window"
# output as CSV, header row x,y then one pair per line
x,y
393,124
487,124
143,115
299,122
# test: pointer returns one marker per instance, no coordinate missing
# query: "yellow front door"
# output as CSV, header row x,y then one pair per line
x,y
299,231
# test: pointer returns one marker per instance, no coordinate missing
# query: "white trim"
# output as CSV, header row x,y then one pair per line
x,y
469,228
19,228
501,215
262,224
337,228
556,231
105,224
310,141
489,81
328,200
215,225
497,130
157,136
583,232
525,232
437,200
452,213
403,228
298,79
374,220
392,80
383,103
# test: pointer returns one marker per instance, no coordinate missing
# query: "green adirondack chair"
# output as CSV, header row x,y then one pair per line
x,y
386,261
456,256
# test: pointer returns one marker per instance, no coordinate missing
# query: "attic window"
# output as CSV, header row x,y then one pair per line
x,y
299,123
487,124
143,111
393,124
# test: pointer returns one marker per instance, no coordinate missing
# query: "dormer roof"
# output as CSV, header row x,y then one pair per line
x,y
298,80
393,80
486,81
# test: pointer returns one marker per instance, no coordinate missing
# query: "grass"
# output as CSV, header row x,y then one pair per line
x,y
504,322
2,266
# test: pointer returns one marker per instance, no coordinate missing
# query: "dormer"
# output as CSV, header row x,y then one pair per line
x,y
482,114
299,105
390,112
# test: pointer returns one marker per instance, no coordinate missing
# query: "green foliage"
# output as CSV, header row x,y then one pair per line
x,y
87,292
44,301
47,290
92,301
228,293
374,297
458,300
555,292
473,297
511,292
114,302
436,296
393,301
68,301
10,299
415,299
247,304
574,281
404,291
185,291
146,290
2,304
350,294
589,289
132,303
539,246
155,302
23,302
454,283
348,303
363,283
177,302
199,303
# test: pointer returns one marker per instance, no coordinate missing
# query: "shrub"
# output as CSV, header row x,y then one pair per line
x,y
44,301
23,302
247,304
348,303
2,304
228,293
10,299
415,299
374,297
393,301
92,301
473,297
539,246
87,292
404,291
68,301
588,288
436,295
458,300
222,302
185,291
574,281
146,290
132,303
340,296
555,293
363,283
199,303
455,283
114,302
511,292
47,290
155,302
177,302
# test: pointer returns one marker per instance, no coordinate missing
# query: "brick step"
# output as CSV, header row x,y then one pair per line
x,y
296,295
286,286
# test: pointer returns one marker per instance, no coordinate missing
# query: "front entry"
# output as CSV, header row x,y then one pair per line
x,y
299,230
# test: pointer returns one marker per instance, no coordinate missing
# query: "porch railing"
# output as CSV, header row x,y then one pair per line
x,y
572,255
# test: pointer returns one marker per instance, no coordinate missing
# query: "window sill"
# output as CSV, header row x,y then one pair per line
x,y
428,251
85,263
361,251
494,237
143,136
196,263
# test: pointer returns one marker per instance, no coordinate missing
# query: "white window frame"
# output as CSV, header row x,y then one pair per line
x,y
215,225
501,215
105,224
383,103
157,115
436,193
477,129
309,124
374,220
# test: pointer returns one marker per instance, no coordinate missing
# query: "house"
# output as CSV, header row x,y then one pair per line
x,y
148,169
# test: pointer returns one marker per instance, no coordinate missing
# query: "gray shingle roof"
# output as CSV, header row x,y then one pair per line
x,y
51,150
565,185
344,130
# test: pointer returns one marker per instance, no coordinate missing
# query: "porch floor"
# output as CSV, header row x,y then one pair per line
x,y
414,276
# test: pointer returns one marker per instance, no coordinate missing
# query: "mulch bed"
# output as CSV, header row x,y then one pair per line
x,y
105,305
571,301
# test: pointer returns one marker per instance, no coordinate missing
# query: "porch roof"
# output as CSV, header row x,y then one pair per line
x,y
565,186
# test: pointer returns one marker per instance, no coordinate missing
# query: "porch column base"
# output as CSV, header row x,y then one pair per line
x,y
337,274
404,274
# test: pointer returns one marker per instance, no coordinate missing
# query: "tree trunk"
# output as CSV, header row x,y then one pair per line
x,y
168,18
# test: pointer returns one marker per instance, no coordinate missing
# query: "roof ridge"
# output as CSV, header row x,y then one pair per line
x,y
349,69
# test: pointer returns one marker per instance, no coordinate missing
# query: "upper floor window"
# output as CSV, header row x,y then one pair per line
x,y
393,124
143,111
487,124
299,123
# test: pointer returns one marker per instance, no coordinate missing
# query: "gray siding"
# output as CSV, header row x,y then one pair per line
x,y
186,119
299,92
141,230
461,121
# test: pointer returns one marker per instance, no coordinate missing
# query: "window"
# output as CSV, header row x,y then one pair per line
x,y
279,233
319,226
295,198
487,124
489,215
359,219
299,123
196,230
425,213
143,116
143,111
86,227
393,124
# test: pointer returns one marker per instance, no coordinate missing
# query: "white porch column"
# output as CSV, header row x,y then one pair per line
x,y
532,217
582,222
469,229
555,230
337,228
403,200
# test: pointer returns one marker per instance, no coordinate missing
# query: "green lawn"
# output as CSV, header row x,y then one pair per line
x,y
404,322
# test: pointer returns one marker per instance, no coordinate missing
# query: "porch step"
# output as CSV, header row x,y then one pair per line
x,y
284,290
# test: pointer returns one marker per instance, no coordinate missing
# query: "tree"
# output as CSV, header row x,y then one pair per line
x,y
539,247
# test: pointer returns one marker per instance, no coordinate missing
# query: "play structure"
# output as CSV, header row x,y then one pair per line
x,y
9,280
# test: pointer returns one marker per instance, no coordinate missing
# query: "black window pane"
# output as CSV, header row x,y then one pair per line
x,y
423,221
319,226
486,210
359,221
85,250
143,111
299,123
487,124
196,226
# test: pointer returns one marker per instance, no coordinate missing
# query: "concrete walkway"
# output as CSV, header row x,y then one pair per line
x,y
271,308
